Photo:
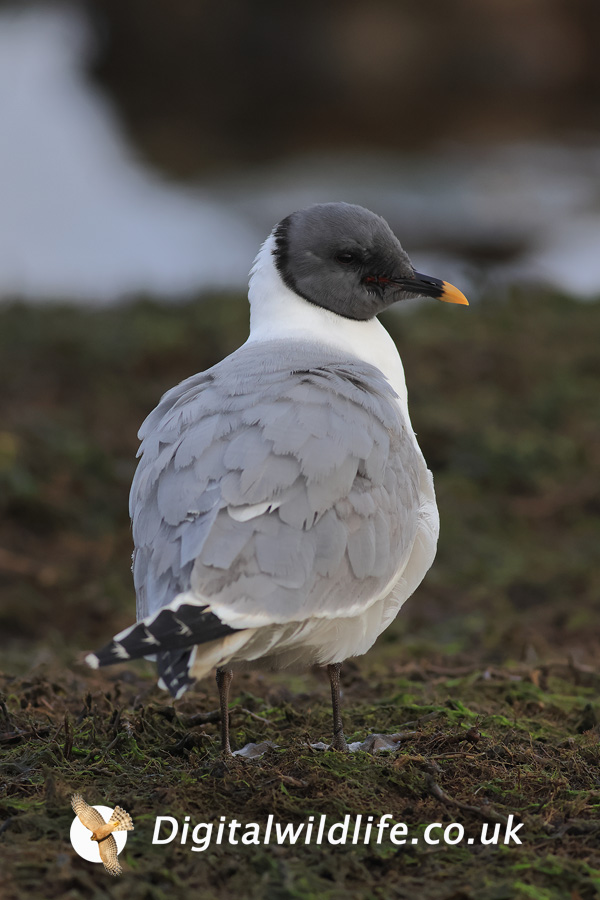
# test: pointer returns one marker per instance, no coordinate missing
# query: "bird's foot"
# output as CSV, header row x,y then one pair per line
x,y
339,743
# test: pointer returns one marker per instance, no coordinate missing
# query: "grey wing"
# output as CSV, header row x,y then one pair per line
x,y
274,488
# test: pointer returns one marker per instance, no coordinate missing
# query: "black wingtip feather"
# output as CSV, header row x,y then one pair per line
x,y
170,630
174,671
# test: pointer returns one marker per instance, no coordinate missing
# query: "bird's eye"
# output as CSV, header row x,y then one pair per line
x,y
346,257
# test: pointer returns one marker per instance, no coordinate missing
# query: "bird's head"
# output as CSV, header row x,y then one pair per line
x,y
348,260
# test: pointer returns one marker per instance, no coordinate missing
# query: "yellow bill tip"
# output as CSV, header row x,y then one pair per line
x,y
451,294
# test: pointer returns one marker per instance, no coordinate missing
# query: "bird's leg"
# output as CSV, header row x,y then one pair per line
x,y
339,741
224,677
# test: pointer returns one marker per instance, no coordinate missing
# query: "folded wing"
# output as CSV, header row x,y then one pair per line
x,y
272,488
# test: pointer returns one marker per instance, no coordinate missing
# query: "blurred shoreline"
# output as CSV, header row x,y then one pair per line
x,y
83,218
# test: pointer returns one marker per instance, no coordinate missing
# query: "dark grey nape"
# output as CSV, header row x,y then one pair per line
x,y
343,258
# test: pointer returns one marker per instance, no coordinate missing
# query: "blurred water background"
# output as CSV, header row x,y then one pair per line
x,y
148,148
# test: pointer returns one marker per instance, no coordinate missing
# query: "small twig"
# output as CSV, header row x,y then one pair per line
x,y
578,826
215,716
485,812
5,713
426,718
90,758
253,715
114,742
464,755
116,720
472,735
20,735
287,779
68,745
202,718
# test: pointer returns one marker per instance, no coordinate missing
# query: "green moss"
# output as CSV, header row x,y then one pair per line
x,y
493,668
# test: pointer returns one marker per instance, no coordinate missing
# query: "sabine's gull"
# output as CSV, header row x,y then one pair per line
x,y
282,509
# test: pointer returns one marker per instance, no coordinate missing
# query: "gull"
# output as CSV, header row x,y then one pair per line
x,y
282,509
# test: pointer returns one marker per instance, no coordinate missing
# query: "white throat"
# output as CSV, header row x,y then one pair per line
x,y
276,312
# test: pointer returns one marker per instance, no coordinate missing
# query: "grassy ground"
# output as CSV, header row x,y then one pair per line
x,y
493,667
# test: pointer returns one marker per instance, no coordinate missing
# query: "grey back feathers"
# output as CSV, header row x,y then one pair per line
x,y
282,487
282,480
332,254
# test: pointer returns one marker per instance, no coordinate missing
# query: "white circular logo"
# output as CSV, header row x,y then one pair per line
x,y
81,837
